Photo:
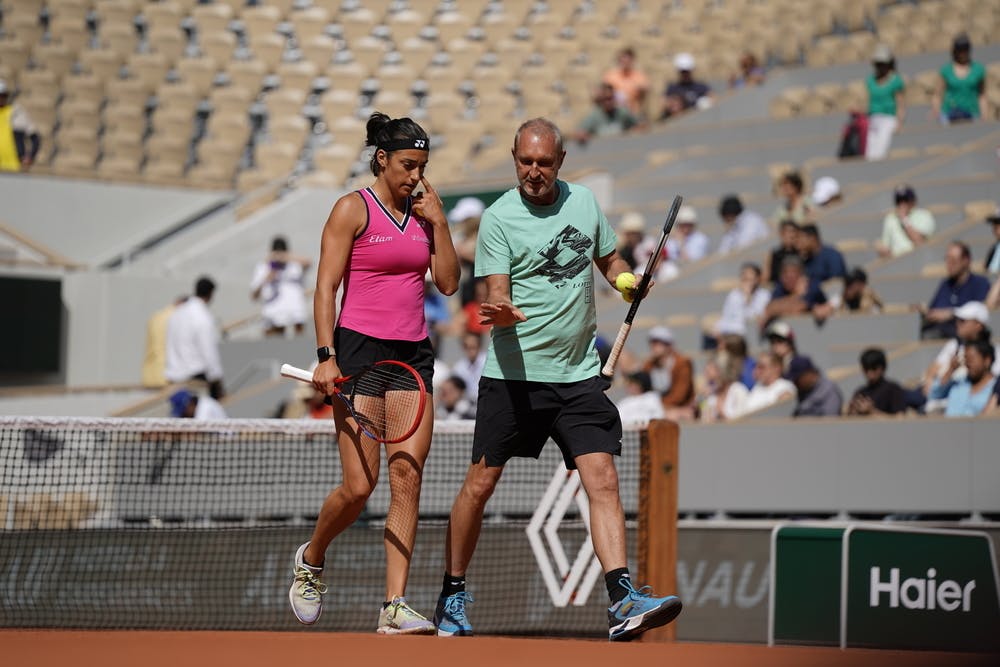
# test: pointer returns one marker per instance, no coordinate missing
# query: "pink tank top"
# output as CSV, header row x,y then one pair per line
x,y
384,280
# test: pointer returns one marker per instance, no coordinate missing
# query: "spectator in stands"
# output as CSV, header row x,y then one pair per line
x,y
436,313
858,295
632,232
971,324
728,397
781,339
193,341
788,246
278,283
19,138
472,322
769,385
687,243
188,405
667,268
822,262
795,293
959,287
905,227
960,94
470,366
606,118
670,372
970,396
154,362
686,92
993,296
464,218
826,192
886,106
641,402
630,84
795,203
744,305
751,73
993,405
818,395
743,227
992,262
879,396
452,401
733,348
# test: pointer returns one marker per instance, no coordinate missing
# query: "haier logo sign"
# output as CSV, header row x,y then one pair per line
x,y
918,593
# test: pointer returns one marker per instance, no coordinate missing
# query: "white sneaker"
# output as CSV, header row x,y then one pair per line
x,y
398,618
306,593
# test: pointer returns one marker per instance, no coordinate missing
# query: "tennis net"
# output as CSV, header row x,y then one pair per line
x,y
176,524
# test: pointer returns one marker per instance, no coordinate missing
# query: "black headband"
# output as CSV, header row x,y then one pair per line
x,y
405,144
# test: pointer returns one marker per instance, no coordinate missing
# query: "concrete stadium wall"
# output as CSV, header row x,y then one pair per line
x,y
842,466
92,223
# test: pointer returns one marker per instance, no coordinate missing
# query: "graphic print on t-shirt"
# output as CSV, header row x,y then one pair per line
x,y
566,255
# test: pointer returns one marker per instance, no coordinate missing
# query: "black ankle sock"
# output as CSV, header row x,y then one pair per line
x,y
320,566
452,585
615,590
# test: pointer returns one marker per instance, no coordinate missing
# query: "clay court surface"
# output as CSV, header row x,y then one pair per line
x,y
60,648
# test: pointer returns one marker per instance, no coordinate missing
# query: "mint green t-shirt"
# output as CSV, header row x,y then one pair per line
x,y
882,96
548,252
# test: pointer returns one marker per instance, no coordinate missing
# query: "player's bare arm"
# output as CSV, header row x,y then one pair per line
x,y
335,248
445,269
498,309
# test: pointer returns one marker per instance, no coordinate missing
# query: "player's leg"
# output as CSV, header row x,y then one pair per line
x,y
501,432
359,459
599,478
464,527
589,433
405,465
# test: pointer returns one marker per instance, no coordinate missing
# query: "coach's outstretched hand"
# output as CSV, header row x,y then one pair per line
x,y
500,314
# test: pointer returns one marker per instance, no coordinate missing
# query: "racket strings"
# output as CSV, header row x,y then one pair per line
x,y
386,401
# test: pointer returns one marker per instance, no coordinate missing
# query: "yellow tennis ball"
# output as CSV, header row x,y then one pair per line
x,y
625,283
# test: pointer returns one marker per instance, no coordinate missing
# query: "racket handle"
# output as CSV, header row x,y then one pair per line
x,y
616,350
296,373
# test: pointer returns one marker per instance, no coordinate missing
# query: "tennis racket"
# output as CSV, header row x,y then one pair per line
x,y
386,399
640,291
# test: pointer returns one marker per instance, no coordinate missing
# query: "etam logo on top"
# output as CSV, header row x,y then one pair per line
x,y
917,593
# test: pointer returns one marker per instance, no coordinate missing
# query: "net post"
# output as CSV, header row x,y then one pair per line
x,y
657,548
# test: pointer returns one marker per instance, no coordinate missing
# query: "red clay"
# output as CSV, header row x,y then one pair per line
x,y
66,648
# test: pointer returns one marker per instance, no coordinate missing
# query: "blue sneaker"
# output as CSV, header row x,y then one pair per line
x,y
639,611
450,618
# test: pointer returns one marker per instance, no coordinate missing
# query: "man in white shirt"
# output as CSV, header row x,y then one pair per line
x,y
743,227
278,284
193,341
745,304
769,387
687,243
642,403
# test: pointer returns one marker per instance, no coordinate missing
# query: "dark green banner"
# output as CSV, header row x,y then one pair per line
x,y
920,589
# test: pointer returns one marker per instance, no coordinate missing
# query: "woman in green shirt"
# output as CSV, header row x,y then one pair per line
x,y
885,103
959,96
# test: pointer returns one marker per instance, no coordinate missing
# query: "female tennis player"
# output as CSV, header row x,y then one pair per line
x,y
379,243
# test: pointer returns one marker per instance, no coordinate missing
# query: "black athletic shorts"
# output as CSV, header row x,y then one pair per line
x,y
515,418
357,351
